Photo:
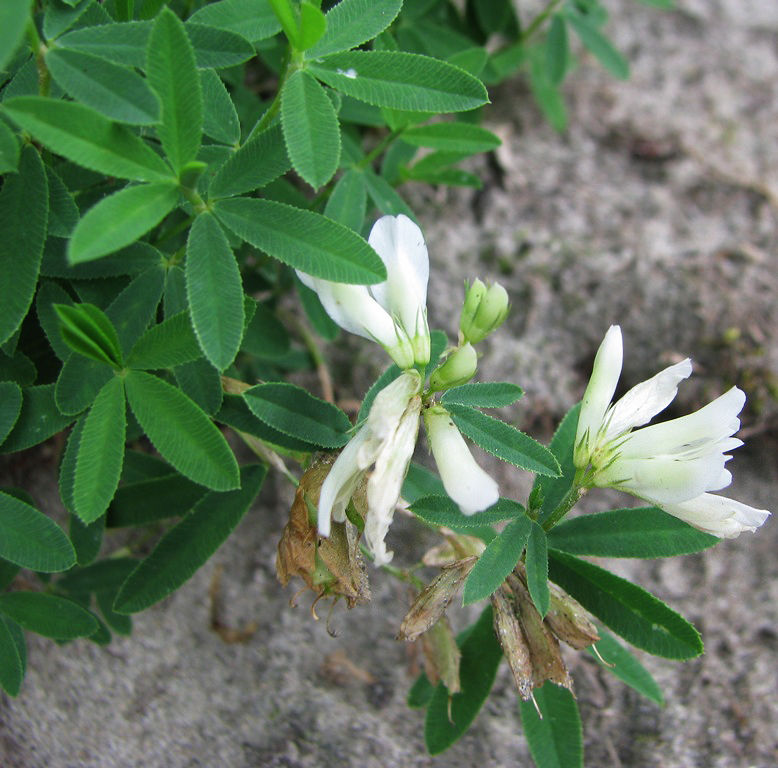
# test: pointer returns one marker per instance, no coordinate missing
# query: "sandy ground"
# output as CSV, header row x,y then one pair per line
x,y
657,211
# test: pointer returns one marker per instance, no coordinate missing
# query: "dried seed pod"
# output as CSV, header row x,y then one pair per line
x,y
455,547
431,604
568,620
514,645
441,655
546,658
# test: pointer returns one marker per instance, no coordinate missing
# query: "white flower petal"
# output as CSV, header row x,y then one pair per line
x,y
646,400
711,424
464,480
598,395
718,515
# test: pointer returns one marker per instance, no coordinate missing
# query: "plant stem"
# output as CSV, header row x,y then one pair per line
x,y
39,50
572,497
538,20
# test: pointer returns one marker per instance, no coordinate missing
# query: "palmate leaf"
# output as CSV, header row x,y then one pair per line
x,y
484,394
14,17
115,91
220,120
302,239
446,720
181,432
189,544
253,19
442,510
149,501
497,560
630,611
79,382
172,73
216,48
100,453
38,419
88,331
259,161
217,315
463,138
645,532
353,22
23,198
48,615
136,306
401,81
169,343
555,736
120,219
30,539
295,412
311,129
87,138
502,440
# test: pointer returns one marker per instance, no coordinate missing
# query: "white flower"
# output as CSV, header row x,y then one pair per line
x,y
673,464
386,440
464,480
392,313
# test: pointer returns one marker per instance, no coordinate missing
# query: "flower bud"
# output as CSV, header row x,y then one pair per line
x,y
484,310
458,368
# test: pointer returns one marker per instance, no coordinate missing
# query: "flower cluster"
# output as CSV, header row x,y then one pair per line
x,y
673,465
394,314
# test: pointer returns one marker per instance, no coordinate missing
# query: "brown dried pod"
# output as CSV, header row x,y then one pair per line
x,y
514,644
330,567
441,655
568,620
455,547
431,604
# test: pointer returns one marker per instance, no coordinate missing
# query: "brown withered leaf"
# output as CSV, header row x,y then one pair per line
x,y
345,565
431,604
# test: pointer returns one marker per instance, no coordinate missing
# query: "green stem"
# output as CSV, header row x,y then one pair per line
x,y
39,50
572,497
367,160
538,20
288,68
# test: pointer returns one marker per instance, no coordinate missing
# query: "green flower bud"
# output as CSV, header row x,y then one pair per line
x,y
484,310
459,367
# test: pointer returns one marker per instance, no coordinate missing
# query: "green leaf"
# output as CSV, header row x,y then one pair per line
x,y
115,91
481,654
401,81
14,17
285,13
312,25
118,622
63,211
295,412
463,138
217,315
253,19
136,306
554,489
537,569
181,432
10,407
188,545
86,539
663,4
220,120
9,149
172,73
486,394
120,219
171,342
58,17
625,608
259,161
311,129
87,330
136,258
304,240
216,48
149,501
353,22
200,381
87,138
419,482
38,421
547,95
557,49
30,539
420,694
442,510
497,560
11,667
619,661
79,382
386,199
598,45
123,43
100,453
48,615
504,441
265,336
23,198
348,200
103,576
317,316
555,739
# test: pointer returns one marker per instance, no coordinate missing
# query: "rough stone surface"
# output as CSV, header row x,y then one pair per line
x,y
657,210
